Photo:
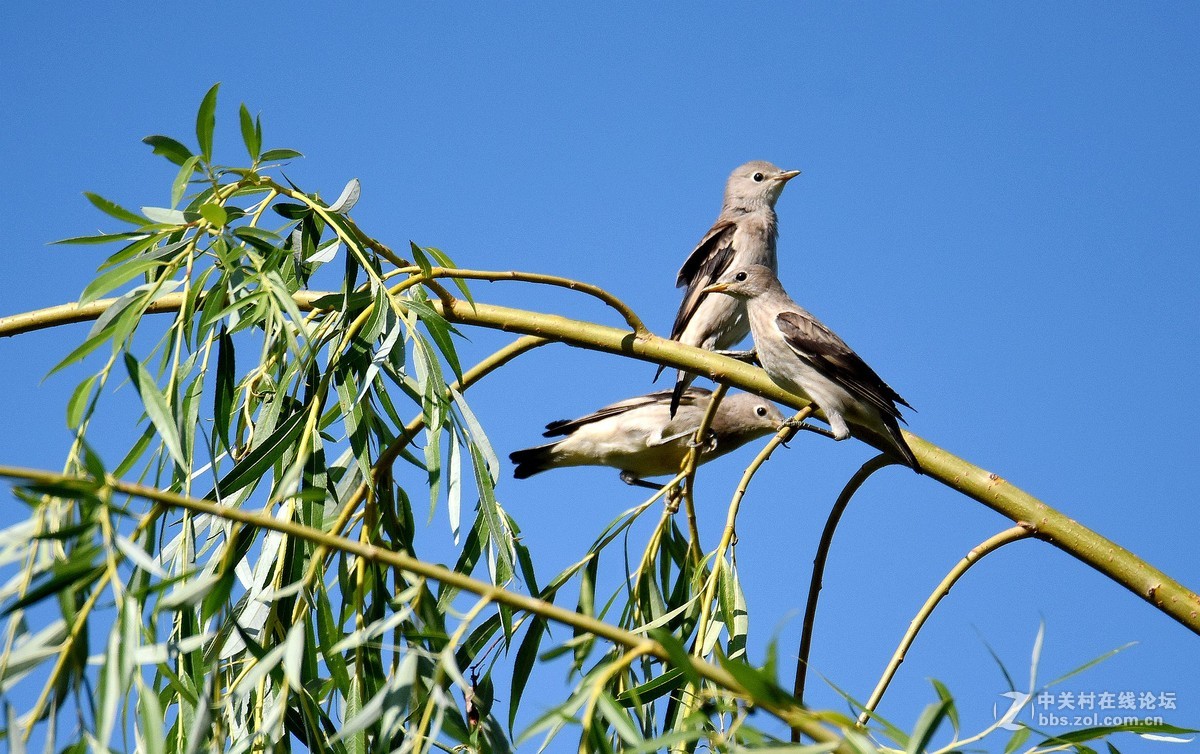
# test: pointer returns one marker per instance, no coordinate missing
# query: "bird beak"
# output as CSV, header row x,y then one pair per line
x,y
787,175
716,288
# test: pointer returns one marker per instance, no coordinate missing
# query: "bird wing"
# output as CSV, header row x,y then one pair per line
x,y
703,267
822,349
565,427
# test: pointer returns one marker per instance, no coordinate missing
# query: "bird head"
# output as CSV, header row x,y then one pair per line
x,y
756,184
746,416
745,282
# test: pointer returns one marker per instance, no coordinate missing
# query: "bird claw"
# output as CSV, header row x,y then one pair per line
x,y
796,426
750,357
674,496
634,481
709,443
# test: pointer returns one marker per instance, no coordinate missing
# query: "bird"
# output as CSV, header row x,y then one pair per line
x,y
639,436
744,234
800,354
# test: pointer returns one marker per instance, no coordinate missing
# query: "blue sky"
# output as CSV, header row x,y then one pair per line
x,y
999,209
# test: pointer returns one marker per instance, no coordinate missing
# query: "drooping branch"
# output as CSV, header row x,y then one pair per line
x,y
818,571
1044,522
991,544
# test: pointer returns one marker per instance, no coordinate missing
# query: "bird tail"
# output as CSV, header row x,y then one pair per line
x,y
682,381
905,452
532,461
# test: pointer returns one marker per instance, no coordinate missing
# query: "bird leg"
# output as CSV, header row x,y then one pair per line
x,y
750,357
709,444
634,481
799,425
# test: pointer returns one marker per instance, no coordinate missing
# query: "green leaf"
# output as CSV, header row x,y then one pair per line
x,y
680,659
165,216
758,684
1091,734
291,211
280,154
80,399
1018,739
252,467
526,655
215,214
169,148
75,574
226,383
113,209
348,198
102,238
152,717
251,132
652,689
157,408
927,725
179,186
945,695
206,121
444,260
116,277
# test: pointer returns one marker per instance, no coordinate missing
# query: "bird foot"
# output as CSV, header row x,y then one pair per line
x,y
634,481
800,425
709,443
750,357
674,496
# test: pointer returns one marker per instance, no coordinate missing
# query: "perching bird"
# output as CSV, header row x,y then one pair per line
x,y
804,356
639,436
744,234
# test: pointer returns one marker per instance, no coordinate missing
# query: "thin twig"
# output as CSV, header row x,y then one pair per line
x,y
632,319
989,545
690,464
785,433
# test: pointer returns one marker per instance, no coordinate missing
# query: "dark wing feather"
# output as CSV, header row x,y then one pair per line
x,y
829,354
565,427
704,266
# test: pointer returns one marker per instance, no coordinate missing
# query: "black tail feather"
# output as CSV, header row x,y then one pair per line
x,y
681,384
901,446
532,461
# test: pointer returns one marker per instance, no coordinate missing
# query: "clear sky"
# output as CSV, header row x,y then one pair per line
x,y
999,209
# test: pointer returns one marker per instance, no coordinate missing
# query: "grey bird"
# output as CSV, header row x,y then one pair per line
x,y
804,356
641,438
744,234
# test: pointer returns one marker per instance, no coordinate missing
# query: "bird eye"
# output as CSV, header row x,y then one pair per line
x,y
758,177
740,277
761,410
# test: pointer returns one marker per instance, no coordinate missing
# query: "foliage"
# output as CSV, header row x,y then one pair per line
x,y
258,585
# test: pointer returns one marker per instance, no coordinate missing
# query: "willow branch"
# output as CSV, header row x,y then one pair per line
x,y
692,460
971,558
818,571
790,713
632,319
1044,522
785,433
389,454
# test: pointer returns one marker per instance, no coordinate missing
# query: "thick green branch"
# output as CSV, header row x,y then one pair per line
x,y
1044,522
